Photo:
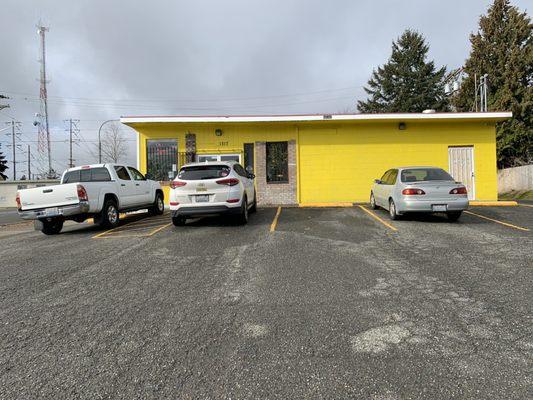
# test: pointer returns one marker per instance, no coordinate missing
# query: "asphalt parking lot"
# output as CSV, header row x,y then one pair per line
x,y
299,303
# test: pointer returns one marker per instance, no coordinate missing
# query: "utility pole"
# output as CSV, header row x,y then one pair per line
x,y
15,126
72,129
44,131
29,163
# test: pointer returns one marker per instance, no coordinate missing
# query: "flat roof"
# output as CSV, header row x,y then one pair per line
x,y
459,116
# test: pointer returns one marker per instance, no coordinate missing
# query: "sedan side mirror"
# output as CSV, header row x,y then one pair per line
x,y
377,181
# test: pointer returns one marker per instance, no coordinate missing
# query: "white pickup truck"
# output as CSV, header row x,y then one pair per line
x,y
99,191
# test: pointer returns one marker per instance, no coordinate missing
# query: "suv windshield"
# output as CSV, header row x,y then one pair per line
x,y
425,174
200,172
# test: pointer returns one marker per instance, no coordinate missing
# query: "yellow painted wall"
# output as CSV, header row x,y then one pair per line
x,y
340,164
338,161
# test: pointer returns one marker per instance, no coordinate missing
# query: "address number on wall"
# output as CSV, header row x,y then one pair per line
x,y
223,143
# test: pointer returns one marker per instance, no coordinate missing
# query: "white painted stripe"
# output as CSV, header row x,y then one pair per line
x,y
320,117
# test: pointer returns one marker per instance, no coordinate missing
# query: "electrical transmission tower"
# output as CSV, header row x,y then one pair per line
x,y
73,131
44,132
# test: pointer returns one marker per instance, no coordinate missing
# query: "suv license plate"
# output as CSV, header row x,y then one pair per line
x,y
204,198
52,212
439,208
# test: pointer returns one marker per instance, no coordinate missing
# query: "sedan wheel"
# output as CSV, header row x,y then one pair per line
x,y
373,201
392,210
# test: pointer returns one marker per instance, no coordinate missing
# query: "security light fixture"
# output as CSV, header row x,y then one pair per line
x,y
218,132
401,126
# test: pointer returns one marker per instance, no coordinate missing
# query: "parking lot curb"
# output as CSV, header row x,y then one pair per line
x,y
493,203
315,205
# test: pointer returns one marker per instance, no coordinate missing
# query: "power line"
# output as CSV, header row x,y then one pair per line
x,y
73,130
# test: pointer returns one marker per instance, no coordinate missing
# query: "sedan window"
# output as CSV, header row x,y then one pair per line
x,y
425,174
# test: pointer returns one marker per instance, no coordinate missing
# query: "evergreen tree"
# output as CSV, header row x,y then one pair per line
x,y
406,83
3,166
503,49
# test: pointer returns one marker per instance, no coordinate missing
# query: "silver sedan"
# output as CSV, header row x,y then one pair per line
x,y
419,189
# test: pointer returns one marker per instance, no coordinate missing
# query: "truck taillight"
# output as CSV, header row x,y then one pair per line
x,y
19,206
177,184
413,192
228,181
82,193
459,190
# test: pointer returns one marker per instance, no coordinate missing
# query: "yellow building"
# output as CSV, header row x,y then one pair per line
x,y
303,159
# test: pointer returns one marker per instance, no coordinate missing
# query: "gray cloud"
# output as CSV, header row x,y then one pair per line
x,y
111,58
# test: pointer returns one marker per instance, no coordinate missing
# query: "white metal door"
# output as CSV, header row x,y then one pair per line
x,y
461,167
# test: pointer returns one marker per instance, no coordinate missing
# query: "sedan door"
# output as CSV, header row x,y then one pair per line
x,y
388,187
379,189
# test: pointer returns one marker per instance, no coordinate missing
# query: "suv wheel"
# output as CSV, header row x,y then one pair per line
x,y
178,221
253,208
110,215
52,227
392,210
243,216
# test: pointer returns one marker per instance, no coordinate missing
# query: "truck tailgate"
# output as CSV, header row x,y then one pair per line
x,y
49,196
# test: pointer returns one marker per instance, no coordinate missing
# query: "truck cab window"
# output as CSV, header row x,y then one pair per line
x,y
122,173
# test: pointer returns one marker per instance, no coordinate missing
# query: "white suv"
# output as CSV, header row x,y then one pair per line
x,y
212,188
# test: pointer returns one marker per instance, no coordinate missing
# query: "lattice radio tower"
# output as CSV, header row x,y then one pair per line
x,y
44,132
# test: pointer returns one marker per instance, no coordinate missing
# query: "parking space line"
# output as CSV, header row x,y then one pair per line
x,y
159,229
498,221
525,205
275,221
373,215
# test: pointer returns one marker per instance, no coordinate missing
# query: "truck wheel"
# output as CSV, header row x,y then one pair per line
x,y
110,216
178,221
52,227
159,206
243,215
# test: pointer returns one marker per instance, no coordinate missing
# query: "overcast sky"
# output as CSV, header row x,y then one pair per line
x,y
110,58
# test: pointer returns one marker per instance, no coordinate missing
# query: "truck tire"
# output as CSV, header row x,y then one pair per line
x,y
109,217
52,227
159,206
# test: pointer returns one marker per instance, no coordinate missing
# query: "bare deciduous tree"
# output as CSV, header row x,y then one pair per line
x,y
114,146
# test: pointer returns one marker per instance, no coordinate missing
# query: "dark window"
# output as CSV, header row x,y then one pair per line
x,y
385,176
391,180
425,174
277,162
100,175
87,175
248,156
240,170
122,173
72,176
200,172
161,155
137,176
